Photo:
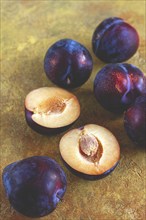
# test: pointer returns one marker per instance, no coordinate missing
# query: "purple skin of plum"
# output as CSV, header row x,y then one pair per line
x,y
87,176
35,185
135,121
116,86
41,129
68,63
114,40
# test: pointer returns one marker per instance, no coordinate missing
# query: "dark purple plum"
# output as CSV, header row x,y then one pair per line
x,y
35,185
135,121
116,86
90,152
68,63
51,110
114,40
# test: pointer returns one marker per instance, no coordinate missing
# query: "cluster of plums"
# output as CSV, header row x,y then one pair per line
x,y
35,185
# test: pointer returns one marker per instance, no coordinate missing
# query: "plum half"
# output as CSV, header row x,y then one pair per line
x,y
50,110
35,185
91,152
135,121
68,63
114,40
116,86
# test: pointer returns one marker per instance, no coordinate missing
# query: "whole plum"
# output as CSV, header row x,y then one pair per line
x,y
135,121
114,40
34,185
116,86
68,63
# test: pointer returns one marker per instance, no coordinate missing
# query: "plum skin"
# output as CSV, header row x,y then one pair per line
x,y
135,121
116,86
34,185
87,176
44,130
114,40
68,63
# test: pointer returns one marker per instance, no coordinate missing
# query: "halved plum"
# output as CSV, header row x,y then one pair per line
x,y
91,152
51,110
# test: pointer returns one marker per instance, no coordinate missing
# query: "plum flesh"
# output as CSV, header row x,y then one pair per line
x,y
35,185
68,63
116,86
41,129
50,110
114,40
95,151
87,176
135,121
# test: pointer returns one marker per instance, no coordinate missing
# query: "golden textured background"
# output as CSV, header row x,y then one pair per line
x,y
28,29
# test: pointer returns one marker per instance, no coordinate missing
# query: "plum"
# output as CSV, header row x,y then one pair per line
x,y
68,63
88,176
114,40
135,121
116,86
50,110
91,152
35,185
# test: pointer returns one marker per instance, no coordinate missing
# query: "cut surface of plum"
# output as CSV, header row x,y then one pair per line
x,y
92,150
51,107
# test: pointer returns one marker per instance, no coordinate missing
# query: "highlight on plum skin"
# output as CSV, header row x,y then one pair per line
x,y
68,63
116,86
51,110
35,185
135,121
114,40
91,152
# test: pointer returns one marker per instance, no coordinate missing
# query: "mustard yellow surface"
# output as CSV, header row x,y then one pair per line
x,y
28,29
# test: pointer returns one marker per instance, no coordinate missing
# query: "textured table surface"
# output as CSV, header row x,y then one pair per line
x,y
28,29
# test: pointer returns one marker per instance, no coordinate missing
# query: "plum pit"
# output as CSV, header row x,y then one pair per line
x,y
88,145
